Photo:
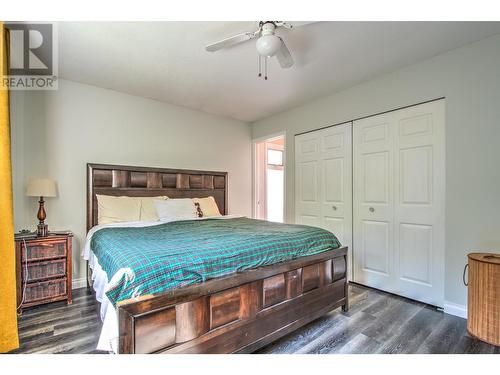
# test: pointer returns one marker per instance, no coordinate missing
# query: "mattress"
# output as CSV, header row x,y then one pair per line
x,y
135,259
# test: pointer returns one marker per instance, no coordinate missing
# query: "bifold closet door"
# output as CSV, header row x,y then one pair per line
x,y
323,181
398,202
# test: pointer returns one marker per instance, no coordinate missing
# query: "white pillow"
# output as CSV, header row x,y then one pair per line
x,y
148,209
175,209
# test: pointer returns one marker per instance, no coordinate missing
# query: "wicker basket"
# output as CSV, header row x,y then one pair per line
x,y
483,312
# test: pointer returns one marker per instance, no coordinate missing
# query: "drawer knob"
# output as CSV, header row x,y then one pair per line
x,y
334,208
371,209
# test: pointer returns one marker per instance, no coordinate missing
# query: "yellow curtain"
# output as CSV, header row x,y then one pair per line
x,y
8,316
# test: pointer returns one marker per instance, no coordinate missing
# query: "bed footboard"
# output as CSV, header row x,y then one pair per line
x,y
239,313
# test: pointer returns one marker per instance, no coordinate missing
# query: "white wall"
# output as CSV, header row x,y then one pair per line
x,y
469,78
56,133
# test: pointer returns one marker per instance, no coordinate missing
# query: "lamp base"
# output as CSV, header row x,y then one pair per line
x,y
42,230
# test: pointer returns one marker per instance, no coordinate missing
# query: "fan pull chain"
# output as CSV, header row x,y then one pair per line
x,y
265,67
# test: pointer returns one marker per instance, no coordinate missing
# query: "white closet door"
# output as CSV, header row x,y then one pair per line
x,y
323,181
336,173
399,176
419,202
307,179
373,202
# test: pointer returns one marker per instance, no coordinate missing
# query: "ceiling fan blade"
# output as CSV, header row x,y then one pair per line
x,y
231,41
284,57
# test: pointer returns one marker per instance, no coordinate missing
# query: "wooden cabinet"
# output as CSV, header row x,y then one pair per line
x,y
483,311
43,269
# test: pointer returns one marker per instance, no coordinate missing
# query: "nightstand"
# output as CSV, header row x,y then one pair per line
x,y
43,268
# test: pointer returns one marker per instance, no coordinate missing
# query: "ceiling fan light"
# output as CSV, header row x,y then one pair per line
x,y
268,45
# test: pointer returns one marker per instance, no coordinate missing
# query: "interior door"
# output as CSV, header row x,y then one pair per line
x,y
323,181
260,207
308,179
399,180
419,202
373,202
336,173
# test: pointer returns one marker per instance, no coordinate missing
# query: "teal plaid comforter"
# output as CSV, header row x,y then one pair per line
x,y
180,253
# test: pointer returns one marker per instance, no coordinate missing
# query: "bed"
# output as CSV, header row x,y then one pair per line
x,y
235,308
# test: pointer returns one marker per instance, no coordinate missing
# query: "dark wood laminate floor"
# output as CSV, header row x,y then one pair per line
x,y
376,322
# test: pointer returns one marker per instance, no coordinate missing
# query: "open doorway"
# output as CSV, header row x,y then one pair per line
x,y
269,178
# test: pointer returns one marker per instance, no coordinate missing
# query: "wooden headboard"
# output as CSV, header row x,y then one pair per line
x,y
149,182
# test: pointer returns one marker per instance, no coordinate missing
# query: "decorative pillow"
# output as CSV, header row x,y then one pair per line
x,y
111,209
208,206
148,209
175,209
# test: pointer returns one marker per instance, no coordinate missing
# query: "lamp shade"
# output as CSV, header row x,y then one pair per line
x,y
41,187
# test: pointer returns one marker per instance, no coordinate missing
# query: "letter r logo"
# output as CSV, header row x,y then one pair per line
x,y
31,49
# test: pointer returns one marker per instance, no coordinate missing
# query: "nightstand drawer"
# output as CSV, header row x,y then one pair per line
x,y
45,270
43,250
45,290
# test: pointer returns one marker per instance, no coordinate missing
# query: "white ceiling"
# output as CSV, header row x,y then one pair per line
x,y
167,60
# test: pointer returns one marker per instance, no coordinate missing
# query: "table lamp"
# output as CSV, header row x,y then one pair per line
x,y
41,187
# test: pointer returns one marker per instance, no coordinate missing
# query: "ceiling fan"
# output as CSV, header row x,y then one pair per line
x,y
268,43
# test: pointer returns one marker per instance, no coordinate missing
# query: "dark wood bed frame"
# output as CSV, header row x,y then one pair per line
x,y
239,313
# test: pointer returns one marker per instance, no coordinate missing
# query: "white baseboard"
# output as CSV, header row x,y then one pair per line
x,y
455,309
79,283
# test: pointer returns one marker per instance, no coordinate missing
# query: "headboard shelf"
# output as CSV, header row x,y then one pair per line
x,y
151,181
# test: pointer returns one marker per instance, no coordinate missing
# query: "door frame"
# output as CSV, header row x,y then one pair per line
x,y
281,134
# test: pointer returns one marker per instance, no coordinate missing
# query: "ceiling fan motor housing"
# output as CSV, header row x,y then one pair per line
x,y
268,44
268,28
